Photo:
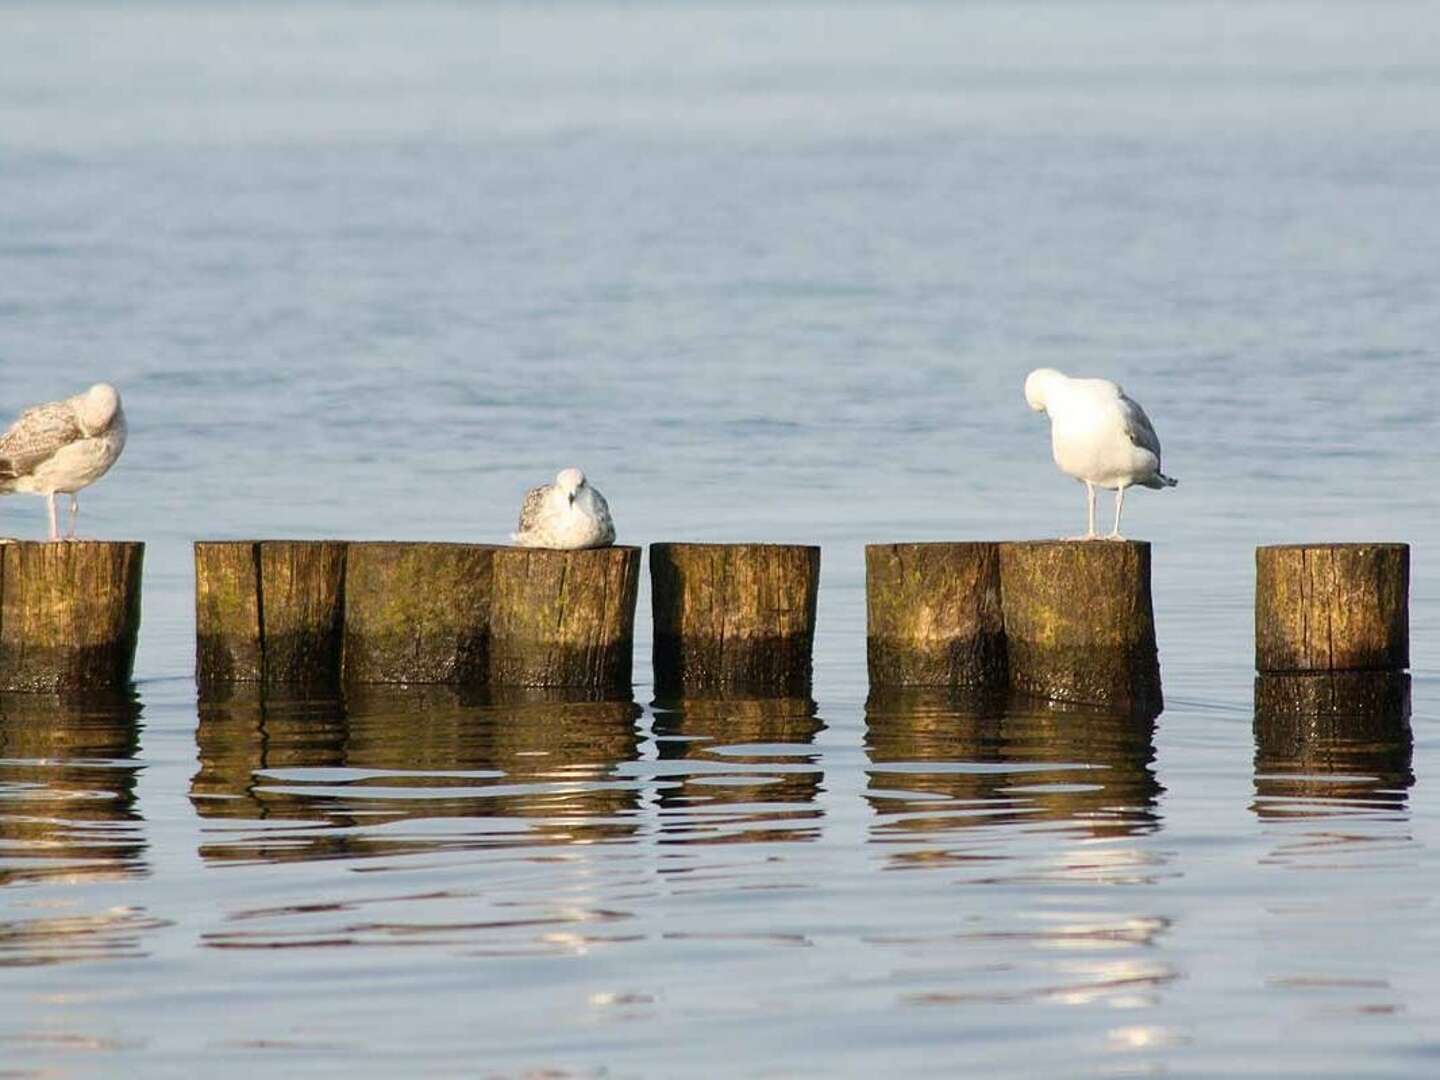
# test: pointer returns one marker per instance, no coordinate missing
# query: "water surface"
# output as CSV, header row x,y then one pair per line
x,y
767,272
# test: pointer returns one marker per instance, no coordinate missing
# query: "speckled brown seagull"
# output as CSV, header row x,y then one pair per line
x,y
63,446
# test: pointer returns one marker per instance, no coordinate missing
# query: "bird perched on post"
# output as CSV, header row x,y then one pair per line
x,y
1099,436
63,446
566,514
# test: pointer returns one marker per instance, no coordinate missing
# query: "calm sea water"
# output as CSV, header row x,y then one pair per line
x,y
768,272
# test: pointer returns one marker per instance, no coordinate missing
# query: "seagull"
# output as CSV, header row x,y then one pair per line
x,y
566,514
63,446
1099,436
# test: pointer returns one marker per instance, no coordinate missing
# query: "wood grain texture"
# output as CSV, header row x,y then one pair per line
x,y
227,612
302,611
1079,622
69,614
1358,695
418,613
734,617
1332,607
933,615
563,618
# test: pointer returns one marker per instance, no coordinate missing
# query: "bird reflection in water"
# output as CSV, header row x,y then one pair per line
x,y
476,770
69,827
737,770
963,780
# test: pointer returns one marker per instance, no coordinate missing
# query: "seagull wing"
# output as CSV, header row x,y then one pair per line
x,y
1138,426
532,506
35,438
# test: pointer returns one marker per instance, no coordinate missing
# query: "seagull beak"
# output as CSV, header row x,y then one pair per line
x,y
572,498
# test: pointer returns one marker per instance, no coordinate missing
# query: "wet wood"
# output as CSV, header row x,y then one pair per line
x,y
1359,695
563,618
734,617
934,615
69,614
270,611
417,613
1332,607
1079,622
227,612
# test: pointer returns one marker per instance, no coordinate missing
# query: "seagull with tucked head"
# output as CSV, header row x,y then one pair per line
x,y
1099,436
63,446
566,514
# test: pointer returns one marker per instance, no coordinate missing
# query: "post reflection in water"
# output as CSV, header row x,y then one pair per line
x,y
1046,807
737,770
69,822
1334,785
954,776
395,771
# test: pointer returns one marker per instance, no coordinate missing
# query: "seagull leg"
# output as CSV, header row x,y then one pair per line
x,y
1119,505
1090,506
54,527
74,512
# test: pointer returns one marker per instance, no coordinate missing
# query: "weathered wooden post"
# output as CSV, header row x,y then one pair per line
x,y
1335,694
270,611
1332,631
1332,607
734,618
1079,622
934,616
69,614
418,613
563,618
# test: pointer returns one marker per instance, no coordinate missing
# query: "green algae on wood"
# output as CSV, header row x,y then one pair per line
x,y
269,612
933,615
69,614
737,617
1079,622
563,618
417,613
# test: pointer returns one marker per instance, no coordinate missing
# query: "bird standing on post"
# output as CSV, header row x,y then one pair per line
x,y
566,514
63,446
1098,436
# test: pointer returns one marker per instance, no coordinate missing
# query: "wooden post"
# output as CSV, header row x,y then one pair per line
x,y
69,614
1335,694
563,618
269,611
417,613
1332,607
1079,623
933,614
734,617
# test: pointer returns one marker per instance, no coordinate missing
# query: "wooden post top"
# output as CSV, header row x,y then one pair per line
x,y
743,546
1361,545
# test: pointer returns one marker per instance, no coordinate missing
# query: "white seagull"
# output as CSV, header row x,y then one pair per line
x,y
566,514
1099,436
63,446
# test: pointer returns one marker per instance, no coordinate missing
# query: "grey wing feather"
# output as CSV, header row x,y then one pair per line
x,y
36,436
1138,426
531,507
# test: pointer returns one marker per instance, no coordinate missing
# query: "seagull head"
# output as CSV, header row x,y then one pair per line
x,y
1038,385
96,408
570,481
